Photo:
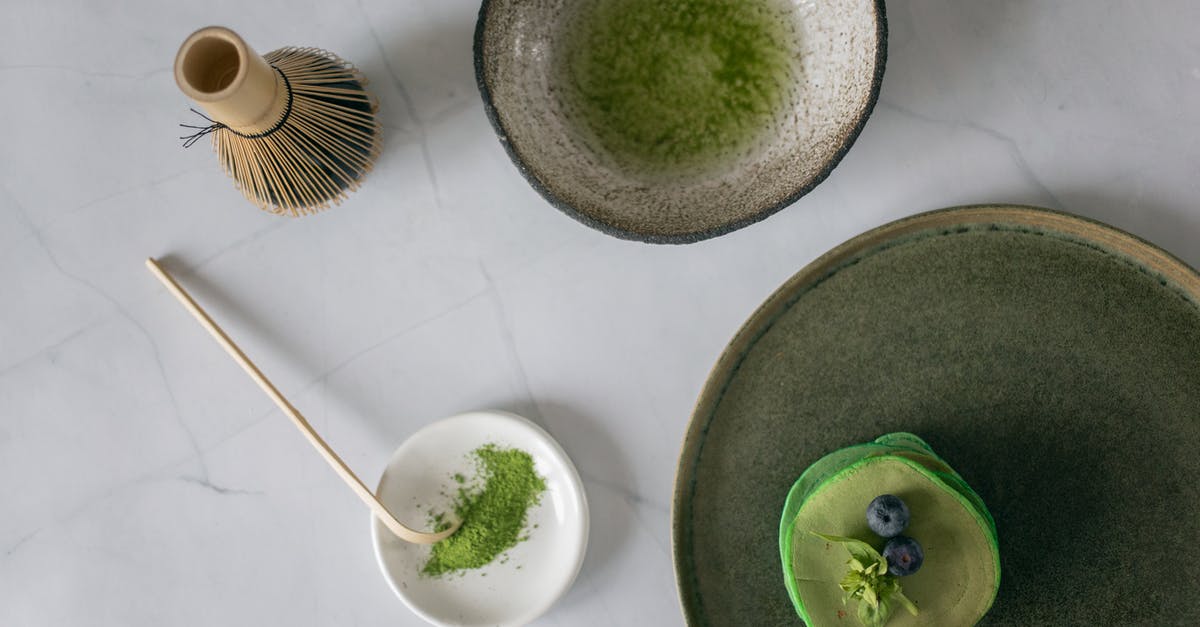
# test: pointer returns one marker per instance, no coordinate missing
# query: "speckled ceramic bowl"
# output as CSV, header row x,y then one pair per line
x,y
836,54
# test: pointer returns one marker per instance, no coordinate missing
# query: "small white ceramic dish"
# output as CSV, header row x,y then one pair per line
x,y
506,592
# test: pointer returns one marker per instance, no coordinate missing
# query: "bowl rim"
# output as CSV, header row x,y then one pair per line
x,y
685,237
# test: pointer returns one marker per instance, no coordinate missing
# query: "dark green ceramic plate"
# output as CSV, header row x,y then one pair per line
x,y
1053,361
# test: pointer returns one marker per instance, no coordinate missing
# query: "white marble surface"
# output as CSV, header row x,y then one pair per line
x,y
145,481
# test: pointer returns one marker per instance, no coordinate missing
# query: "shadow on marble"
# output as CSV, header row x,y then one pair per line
x,y
422,73
951,64
949,51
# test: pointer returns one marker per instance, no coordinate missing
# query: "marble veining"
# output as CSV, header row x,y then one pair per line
x,y
145,481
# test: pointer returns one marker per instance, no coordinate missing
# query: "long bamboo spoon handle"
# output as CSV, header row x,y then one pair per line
x,y
343,471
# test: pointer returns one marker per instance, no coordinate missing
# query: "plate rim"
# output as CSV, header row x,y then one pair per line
x,y
1107,237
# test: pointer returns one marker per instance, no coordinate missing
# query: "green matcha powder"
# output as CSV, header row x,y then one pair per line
x,y
677,83
493,508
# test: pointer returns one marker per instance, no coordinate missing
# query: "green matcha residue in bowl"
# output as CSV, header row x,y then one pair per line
x,y
492,507
665,84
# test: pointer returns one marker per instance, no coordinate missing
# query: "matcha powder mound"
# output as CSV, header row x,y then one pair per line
x,y
493,516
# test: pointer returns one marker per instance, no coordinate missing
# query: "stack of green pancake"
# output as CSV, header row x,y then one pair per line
x,y
961,573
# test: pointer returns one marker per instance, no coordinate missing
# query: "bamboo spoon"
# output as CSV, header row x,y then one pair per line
x,y
343,471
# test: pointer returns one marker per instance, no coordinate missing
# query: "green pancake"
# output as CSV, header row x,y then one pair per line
x,y
961,574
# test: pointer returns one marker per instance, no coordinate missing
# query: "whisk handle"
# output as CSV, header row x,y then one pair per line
x,y
224,75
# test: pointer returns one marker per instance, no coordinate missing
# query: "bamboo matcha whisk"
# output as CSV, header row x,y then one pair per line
x,y
294,128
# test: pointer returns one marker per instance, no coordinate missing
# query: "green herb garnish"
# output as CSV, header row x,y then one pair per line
x,y
869,583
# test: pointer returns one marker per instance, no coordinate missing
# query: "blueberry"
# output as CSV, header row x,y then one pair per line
x,y
904,556
887,515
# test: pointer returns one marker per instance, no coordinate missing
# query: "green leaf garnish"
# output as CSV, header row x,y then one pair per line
x,y
908,605
874,616
867,582
861,551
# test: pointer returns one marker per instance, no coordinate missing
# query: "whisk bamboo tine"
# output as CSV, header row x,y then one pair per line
x,y
343,471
